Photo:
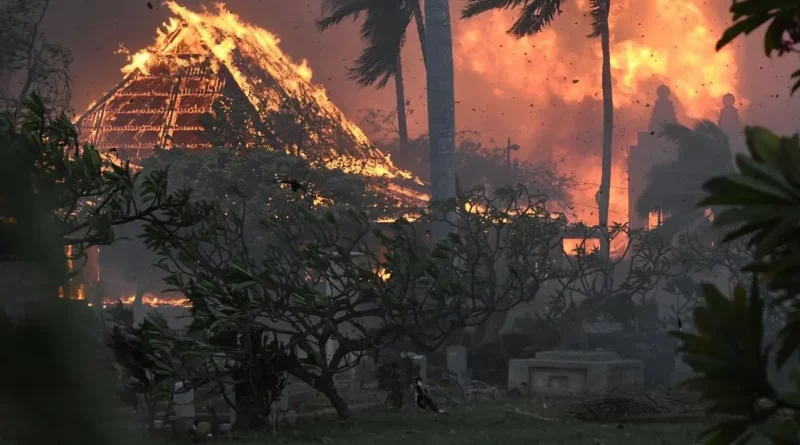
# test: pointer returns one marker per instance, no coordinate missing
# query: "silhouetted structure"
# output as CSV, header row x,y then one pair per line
x,y
649,150
730,123
663,110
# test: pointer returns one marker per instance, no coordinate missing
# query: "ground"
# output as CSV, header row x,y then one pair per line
x,y
483,424
473,424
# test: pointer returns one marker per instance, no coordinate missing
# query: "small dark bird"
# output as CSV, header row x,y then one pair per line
x,y
149,5
680,325
294,184
422,398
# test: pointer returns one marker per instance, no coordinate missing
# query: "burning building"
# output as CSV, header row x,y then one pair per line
x,y
202,61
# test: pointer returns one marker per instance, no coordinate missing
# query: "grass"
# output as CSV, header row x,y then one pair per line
x,y
482,423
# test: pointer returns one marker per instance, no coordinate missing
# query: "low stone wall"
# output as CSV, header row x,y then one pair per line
x,y
561,373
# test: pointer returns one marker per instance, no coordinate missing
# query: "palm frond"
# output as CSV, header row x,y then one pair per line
x,y
475,8
599,13
535,16
703,152
384,31
334,11
663,192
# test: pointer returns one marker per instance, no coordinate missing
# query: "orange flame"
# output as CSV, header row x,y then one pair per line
x,y
225,35
151,300
662,41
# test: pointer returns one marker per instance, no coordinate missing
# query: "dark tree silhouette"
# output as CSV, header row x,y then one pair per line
x,y
384,32
676,187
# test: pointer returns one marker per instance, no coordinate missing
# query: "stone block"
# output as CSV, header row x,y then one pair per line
x,y
457,360
421,362
561,373
184,408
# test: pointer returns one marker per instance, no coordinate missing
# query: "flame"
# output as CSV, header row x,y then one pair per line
x,y
383,274
662,41
571,245
227,37
149,299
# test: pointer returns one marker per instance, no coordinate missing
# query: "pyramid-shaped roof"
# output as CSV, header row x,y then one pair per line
x,y
201,58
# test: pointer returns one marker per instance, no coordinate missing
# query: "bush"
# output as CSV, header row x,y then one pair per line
x,y
397,379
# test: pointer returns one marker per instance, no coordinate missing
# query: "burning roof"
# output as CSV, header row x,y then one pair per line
x,y
200,58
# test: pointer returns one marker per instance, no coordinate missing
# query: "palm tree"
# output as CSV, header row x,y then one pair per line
x,y
703,152
441,106
384,31
535,16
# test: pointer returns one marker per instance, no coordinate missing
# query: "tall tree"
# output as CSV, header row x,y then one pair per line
x,y
441,105
535,16
28,62
384,31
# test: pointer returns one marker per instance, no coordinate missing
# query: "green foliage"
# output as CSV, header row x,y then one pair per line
x,y
307,276
764,205
65,193
396,379
57,193
211,175
591,288
783,29
728,352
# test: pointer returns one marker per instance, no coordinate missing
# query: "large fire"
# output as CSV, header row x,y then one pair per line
x,y
198,58
261,46
653,42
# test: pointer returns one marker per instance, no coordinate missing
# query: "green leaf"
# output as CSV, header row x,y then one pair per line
x,y
773,37
741,27
762,144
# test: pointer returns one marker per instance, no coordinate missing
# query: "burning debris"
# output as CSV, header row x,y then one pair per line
x,y
151,300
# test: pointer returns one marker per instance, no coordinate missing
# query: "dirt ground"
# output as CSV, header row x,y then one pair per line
x,y
485,422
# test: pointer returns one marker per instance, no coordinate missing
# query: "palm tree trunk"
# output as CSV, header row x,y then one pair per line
x,y
608,132
420,22
441,106
400,91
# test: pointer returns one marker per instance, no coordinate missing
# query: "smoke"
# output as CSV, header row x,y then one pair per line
x,y
543,92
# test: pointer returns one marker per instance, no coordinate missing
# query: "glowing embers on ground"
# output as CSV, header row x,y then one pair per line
x,y
152,300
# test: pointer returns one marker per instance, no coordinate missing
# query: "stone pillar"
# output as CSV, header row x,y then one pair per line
x,y
137,307
421,362
184,408
230,393
650,149
457,360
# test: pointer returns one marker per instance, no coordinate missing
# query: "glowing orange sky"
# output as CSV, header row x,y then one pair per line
x,y
523,89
